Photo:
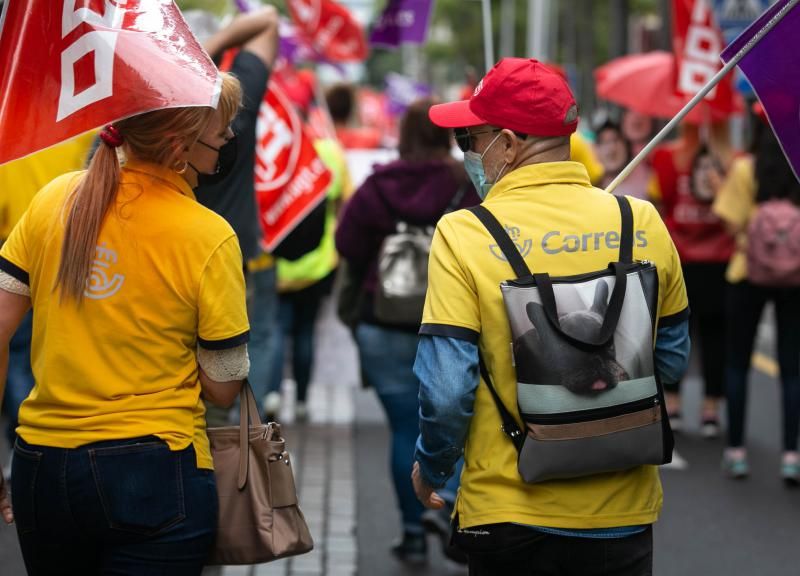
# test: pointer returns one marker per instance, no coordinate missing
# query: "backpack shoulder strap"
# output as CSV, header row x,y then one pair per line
x,y
503,240
510,426
626,240
455,202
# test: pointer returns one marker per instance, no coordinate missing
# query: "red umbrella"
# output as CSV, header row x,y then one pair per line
x,y
330,29
646,83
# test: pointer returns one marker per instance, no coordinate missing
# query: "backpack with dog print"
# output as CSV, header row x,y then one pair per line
x,y
582,348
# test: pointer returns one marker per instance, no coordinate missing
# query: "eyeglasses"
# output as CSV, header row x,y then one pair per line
x,y
464,137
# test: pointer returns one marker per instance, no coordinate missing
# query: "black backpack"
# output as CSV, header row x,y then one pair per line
x,y
306,236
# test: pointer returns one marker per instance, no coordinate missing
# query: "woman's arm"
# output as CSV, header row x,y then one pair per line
x,y
13,308
222,373
221,394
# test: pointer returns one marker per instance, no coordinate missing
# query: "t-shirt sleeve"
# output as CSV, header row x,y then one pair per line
x,y
15,253
451,304
736,196
222,314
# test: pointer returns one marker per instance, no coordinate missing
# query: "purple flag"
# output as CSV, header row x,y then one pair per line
x,y
403,21
773,68
401,91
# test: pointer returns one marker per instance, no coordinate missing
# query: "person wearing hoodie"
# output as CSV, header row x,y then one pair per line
x,y
417,189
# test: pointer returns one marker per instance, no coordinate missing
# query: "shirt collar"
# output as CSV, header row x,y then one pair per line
x,y
540,174
172,178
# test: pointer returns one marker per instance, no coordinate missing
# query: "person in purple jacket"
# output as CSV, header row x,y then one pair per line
x,y
416,189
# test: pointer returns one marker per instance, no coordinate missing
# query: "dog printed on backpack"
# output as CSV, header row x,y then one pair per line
x,y
543,356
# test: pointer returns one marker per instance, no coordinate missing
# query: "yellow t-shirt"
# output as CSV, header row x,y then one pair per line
x,y
167,276
564,226
21,179
736,204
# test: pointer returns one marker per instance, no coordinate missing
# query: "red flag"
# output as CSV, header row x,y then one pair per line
x,y
68,66
290,179
330,28
698,42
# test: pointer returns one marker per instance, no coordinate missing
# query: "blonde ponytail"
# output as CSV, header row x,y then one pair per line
x,y
87,208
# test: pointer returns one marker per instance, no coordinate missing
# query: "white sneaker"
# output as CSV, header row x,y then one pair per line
x,y
272,405
710,429
301,412
678,462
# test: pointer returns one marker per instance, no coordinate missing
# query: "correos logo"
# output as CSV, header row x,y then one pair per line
x,y
101,283
554,242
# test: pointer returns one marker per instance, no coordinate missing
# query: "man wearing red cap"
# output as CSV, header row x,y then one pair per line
x,y
515,132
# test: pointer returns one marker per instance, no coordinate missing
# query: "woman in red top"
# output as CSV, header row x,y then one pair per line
x,y
687,174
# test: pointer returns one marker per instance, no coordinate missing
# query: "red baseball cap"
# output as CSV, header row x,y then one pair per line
x,y
520,94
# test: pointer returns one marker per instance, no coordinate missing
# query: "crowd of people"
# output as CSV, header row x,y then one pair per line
x,y
101,389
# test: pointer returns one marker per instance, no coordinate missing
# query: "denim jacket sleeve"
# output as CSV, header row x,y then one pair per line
x,y
447,369
672,352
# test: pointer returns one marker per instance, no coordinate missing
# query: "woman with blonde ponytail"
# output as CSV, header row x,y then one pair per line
x,y
140,314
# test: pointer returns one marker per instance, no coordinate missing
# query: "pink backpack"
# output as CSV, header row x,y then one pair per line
x,y
773,245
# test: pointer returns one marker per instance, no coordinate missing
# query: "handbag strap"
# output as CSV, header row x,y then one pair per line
x,y
248,415
610,320
510,426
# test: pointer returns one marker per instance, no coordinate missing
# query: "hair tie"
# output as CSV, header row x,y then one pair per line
x,y
111,136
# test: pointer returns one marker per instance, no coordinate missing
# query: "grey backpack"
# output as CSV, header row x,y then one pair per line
x,y
582,346
403,271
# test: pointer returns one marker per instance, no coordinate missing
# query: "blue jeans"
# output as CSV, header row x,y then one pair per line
x,y
387,358
19,381
264,329
122,508
297,318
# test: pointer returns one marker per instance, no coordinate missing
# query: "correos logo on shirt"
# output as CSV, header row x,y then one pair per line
x,y
554,242
101,283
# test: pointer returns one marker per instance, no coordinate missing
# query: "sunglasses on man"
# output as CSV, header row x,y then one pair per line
x,y
464,137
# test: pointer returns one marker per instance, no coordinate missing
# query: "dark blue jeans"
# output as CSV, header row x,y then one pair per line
x,y
745,304
297,319
19,381
387,359
121,508
262,305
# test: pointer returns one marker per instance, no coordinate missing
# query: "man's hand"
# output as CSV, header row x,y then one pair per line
x,y
5,501
425,493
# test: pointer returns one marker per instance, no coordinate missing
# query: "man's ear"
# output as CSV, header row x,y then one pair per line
x,y
511,146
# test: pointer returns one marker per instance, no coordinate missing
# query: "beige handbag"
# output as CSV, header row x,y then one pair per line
x,y
259,517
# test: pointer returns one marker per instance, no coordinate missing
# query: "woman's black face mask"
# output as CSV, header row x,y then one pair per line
x,y
226,160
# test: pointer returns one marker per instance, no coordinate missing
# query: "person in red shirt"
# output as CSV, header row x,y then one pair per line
x,y
687,173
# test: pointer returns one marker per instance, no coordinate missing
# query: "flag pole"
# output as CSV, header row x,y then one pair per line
x,y
700,95
488,38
